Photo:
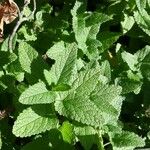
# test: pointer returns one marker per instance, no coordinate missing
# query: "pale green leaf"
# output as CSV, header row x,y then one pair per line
x,y
87,136
65,58
127,23
95,110
30,123
86,81
80,109
26,56
130,59
37,94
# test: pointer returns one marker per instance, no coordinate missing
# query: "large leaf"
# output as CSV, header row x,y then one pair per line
x,y
80,109
94,110
31,122
37,94
65,58
103,96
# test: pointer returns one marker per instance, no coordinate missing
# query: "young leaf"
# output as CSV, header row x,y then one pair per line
x,y
67,132
30,123
37,94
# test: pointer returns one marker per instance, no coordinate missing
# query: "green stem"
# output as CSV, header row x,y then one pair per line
x,y
100,143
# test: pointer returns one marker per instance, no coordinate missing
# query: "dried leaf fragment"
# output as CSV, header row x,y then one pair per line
x,y
8,13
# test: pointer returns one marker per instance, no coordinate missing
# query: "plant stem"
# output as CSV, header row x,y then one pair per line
x,y
19,22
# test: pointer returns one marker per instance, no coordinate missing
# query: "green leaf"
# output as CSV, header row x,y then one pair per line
x,y
130,59
30,122
103,95
65,58
87,136
67,132
126,141
86,81
37,94
106,70
80,109
142,16
145,67
28,35
90,110
38,144
107,39
127,23
141,54
26,56
141,22
7,58
86,26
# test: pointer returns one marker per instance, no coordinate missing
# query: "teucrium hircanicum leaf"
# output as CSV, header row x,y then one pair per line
x,y
87,136
37,94
130,59
86,26
80,109
92,110
26,56
86,81
30,123
67,132
142,16
65,58
126,141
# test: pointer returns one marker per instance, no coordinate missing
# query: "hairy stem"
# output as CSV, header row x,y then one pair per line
x,y
19,22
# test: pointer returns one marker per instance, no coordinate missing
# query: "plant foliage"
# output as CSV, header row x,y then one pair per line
x,y
76,76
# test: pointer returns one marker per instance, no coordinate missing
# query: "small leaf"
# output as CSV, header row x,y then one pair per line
x,y
67,132
30,123
130,59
